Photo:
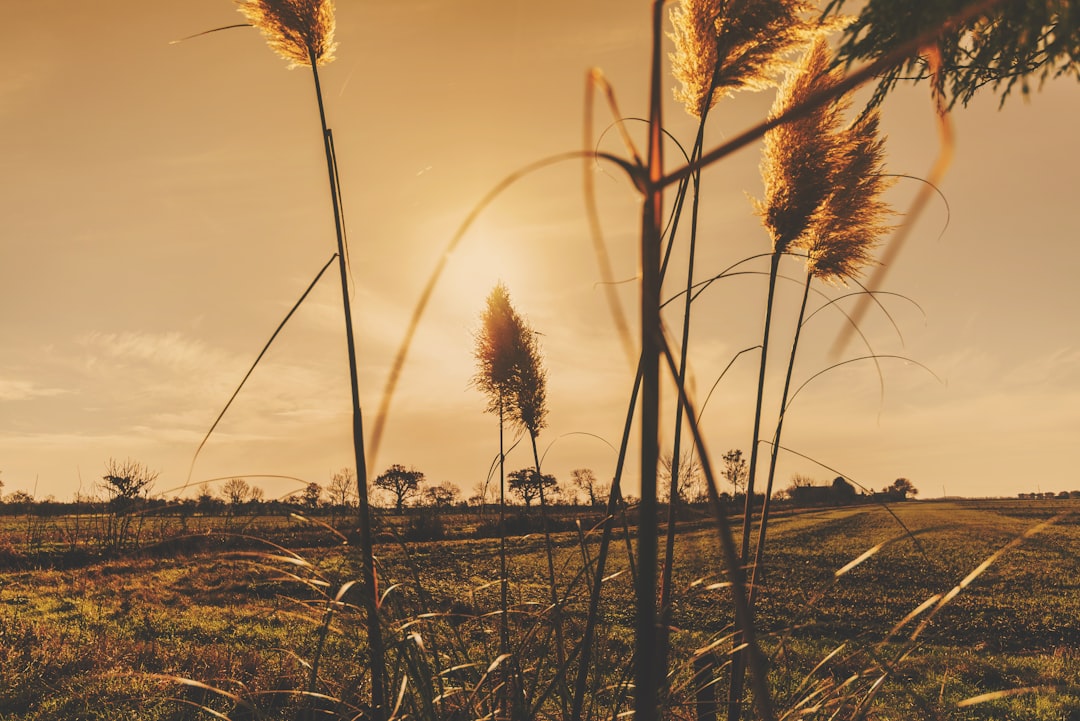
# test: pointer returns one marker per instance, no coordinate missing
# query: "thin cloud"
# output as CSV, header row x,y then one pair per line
x,y
20,390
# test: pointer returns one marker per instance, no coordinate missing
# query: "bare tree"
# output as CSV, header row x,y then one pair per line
x,y
342,488
481,494
735,469
401,482
126,483
691,488
443,495
237,491
585,479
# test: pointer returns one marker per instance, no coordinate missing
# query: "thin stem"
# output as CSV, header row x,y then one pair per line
x,y
759,552
371,602
676,452
556,607
504,629
601,558
738,662
744,617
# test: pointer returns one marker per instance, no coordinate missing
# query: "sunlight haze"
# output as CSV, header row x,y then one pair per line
x,y
163,205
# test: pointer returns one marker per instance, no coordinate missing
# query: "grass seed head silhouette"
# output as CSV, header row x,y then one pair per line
x,y
510,370
297,30
800,158
852,220
723,47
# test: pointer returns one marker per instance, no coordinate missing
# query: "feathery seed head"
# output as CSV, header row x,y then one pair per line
x,y
852,220
510,367
723,46
799,157
297,30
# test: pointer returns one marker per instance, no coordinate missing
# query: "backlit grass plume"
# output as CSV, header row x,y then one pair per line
x,y
510,372
840,242
827,187
722,47
798,165
799,157
301,31
852,219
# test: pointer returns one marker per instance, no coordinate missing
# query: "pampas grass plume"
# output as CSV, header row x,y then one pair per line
x,y
301,31
722,47
799,158
852,220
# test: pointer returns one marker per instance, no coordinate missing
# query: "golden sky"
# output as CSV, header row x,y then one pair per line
x,y
163,205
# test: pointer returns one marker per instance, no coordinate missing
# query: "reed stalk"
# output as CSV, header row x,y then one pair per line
x,y
847,229
647,673
302,32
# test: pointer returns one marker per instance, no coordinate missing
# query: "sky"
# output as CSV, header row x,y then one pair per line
x,y
163,205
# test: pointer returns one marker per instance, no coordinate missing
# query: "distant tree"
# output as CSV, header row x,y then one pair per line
x,y
19,501
690,483
481,494
585,479
342,488
127,483
311,496
206,502
257,494
801,480
902,488
735,469
527,484
403,483
237,491
443,495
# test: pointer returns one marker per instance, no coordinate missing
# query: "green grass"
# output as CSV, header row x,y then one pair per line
x,y
102,636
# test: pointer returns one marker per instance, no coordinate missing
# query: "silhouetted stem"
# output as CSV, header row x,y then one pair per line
x,y
759,551
676,452
744,617
371,600
601,558
504,630
556,607
738,662
646,671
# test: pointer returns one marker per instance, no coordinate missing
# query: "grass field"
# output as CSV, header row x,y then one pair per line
x,y
111,639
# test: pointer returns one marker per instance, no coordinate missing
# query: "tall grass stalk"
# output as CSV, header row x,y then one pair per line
x,y
302,31
647,673
736,572
848,228
796,168
511,373
592,618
